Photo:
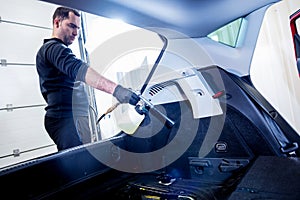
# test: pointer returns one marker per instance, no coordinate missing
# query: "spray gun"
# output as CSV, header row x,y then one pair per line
x,y
146,104
142,107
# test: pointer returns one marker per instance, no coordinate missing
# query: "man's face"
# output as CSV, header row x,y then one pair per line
x,y
68,29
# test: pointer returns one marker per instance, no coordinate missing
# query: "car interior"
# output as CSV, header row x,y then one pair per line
x,y
246,149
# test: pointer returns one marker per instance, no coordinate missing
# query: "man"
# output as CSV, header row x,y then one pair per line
x,y
62,76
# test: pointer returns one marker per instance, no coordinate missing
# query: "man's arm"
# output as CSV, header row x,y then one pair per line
x,y
96,80
123,95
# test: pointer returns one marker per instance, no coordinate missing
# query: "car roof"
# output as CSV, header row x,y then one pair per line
x,y
173,18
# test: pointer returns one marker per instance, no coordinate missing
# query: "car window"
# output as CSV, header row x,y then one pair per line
x,y
227,34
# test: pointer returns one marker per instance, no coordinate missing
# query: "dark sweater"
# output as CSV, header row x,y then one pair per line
x,y
61,77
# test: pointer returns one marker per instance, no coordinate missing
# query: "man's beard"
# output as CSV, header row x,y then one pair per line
x,y
67,41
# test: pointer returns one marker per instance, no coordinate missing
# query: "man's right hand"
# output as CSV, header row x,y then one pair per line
x,y
124,95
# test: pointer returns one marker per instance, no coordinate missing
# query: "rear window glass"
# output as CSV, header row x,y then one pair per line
x,y
227,34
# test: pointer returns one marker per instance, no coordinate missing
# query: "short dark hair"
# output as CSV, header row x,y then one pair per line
x,y
63,13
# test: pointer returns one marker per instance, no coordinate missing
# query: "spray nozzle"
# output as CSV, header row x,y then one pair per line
x,y
146,105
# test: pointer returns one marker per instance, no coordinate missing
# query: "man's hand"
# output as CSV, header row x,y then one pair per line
x,y
124,95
